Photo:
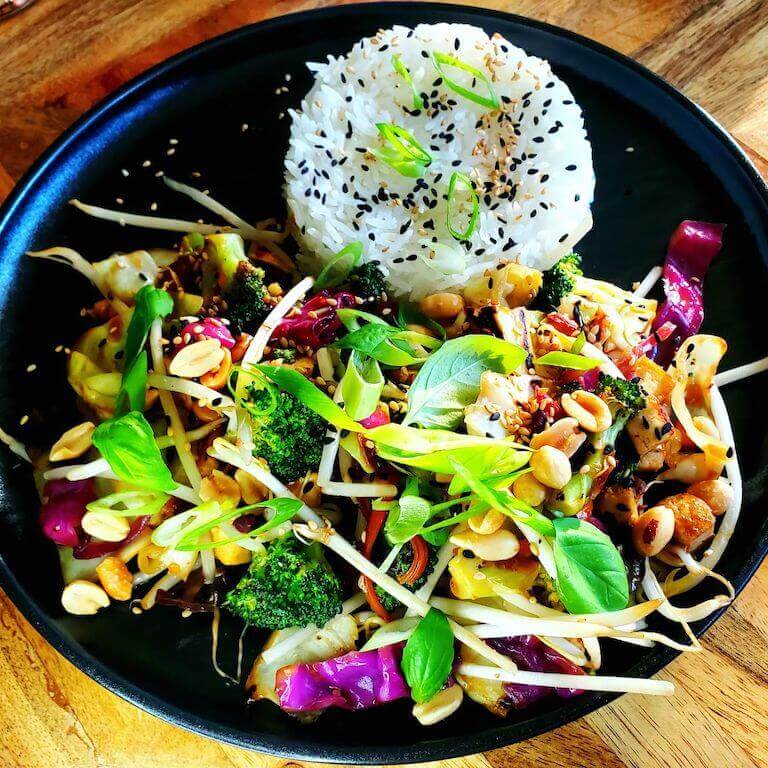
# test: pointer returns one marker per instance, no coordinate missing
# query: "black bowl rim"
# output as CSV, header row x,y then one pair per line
x,y
294,748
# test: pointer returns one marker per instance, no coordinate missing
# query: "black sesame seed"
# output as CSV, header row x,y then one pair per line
x,y
494,416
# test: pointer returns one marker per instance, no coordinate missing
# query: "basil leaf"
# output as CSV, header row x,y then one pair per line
x,y
361,386
428,656
128,445
406,519
591,577
307,393
505,456
384,343
133,387
568,360
350,317
151,302
340,265
450,378
410,314
436,537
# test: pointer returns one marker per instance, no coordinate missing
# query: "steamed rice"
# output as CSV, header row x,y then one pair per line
x,y
531,161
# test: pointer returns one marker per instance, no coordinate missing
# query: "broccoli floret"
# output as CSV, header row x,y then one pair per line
x,y
368,281
398,568
626,394
560,279
623,475
286,434
246,308
286,355
288,585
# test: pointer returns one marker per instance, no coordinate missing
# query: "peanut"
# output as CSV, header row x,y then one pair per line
x,y
251,489
551,467
488,523
717,494
115,578
197,359
528,489
229,554
83,598
217,378
588,409
443,704
105,527
220,487
564,435
73,443
501,545
653,530
442,306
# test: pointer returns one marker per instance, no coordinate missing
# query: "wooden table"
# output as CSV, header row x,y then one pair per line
x,y
58,58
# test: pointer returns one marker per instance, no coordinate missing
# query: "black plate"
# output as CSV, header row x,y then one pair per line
x,y
683,166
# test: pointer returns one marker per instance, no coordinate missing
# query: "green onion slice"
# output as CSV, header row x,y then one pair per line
x,y
402,70
361,386
338,268
464,182
403,152
578,343
443,60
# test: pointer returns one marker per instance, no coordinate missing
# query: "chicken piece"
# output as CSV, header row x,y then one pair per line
x,y
694,520
498,393
651,427
620,503
514,285
124,274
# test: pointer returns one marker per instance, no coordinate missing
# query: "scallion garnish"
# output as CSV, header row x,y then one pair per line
x,y
402,70
338,268
461,180
403,153
443,60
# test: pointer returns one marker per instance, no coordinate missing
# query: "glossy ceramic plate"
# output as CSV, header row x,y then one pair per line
x,y
658,159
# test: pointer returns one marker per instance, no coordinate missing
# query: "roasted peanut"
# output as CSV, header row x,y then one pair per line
x,y
104,526
490,522
564,435
229,554
694,521
717,494
115,578
691,469
588,409
251,489
217,378
442,306
307,489
241,344
528,489
83,598
220,487
620,503
551,467
443,704
501,545
304,365
653,530
73,443
197,359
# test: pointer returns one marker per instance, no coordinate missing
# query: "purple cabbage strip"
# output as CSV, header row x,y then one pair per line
x,y
357,680
529,653
691,249
316,323
64,508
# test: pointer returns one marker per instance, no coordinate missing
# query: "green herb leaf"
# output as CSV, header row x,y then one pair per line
x,y
428,656
568,360
338,268
410,314
578,344
349,317
151,302
591,577
505,503
462,181
505,456
402,70
387,344
133,387
403,152
449,380
361,386
442,61
128,445
406,519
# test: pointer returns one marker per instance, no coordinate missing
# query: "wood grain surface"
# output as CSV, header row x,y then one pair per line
x,y
60,56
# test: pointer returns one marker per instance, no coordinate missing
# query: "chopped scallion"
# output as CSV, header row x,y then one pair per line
x,y
443,60
402,70
463,181
403,152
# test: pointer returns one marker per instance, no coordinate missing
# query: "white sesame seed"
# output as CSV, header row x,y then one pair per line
x,y
629,149
171,151
146,164
153,207
173,141
31,368
119,200
159,174
23,420
124,172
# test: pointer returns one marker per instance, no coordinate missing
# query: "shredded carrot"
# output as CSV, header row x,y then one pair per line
x,y
419,562
375,521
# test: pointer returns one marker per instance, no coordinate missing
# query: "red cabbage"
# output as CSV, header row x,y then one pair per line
x,y
316,323
64,508
529,653
691,249
210,327
357,680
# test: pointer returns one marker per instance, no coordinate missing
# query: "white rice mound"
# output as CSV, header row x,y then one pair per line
x,y
530,160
